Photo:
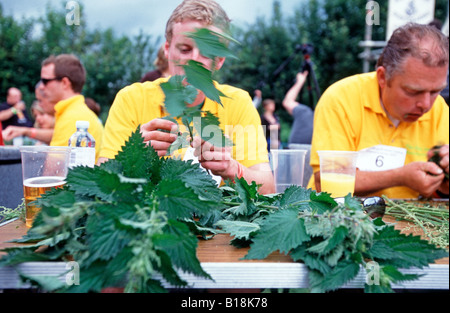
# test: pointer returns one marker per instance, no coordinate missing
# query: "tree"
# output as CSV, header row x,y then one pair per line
x,y
16,70
333,27
112,62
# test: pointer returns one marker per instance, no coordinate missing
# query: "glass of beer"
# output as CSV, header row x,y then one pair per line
x,y
337,172
43,168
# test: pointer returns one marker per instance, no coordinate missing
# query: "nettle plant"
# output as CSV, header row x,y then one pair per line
x,y
181,90
135,221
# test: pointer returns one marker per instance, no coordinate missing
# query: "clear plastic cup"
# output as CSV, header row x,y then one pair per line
x,y
43,168
288,167
337,172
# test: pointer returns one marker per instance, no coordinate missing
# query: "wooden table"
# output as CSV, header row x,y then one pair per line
x,y
223,262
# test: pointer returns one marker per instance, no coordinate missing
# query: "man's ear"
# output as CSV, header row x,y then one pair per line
x,y
67,84
381,76
219,63
166,49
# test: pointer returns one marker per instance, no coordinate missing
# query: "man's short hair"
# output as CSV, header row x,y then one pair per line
x,y
68,65
412,40
208,12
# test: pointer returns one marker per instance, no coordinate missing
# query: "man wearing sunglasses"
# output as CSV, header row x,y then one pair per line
x,y
63,78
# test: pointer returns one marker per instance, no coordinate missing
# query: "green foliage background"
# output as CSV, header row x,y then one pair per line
x,y
333,27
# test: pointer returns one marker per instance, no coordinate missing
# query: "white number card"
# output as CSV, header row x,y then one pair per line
x,y
381,158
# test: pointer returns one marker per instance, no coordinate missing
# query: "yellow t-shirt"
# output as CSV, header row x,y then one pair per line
x,y
67,113
349,117
140,103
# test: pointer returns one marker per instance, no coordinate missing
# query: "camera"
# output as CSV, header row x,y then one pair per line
x,y
305,48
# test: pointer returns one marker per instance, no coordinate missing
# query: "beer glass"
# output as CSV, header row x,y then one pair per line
x,y
43,168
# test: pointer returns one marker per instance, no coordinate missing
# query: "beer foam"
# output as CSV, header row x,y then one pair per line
x,y
44,181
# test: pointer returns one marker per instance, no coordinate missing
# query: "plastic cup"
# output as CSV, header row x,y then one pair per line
x,y
288,167
337,172
43,168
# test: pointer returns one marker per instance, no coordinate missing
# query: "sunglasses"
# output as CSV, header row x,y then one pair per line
x,y
45,81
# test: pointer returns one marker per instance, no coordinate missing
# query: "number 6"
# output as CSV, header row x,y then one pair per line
x,y
379,161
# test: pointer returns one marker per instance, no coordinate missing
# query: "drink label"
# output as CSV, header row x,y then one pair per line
x,y
381,158
82,156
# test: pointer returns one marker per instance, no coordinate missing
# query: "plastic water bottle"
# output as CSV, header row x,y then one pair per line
x,y
83,146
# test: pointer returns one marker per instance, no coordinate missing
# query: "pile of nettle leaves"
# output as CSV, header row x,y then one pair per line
x,y
135,221
140,216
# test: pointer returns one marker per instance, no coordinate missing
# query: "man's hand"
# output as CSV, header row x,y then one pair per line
x,y
12,132
444,164
424,177
160,134
301,78
218,160
20,106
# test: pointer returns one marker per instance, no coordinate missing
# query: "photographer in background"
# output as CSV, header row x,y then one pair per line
x,y
302,127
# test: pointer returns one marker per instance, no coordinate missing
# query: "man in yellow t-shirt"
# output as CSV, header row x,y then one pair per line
x,y
143,104
63,78
398,106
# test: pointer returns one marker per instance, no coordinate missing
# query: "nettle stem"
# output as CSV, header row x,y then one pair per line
x,y
264,206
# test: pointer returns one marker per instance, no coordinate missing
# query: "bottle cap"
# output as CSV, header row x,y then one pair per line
x,y
82,124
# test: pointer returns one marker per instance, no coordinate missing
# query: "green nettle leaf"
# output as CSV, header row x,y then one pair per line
x,y
177,96
340,233
201,78
338,276
193,177
295,196
49,283
57,198
386,275
106,186
322,202
19,255
167,270
179,201
246,195
239,229
180,91
208,127
212,44
94,278
396,276
136,159
324,247
403,250
105,240
182,141
311,260
181,246
285,230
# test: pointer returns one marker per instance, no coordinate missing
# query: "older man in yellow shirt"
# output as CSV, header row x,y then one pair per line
x,y
397,106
